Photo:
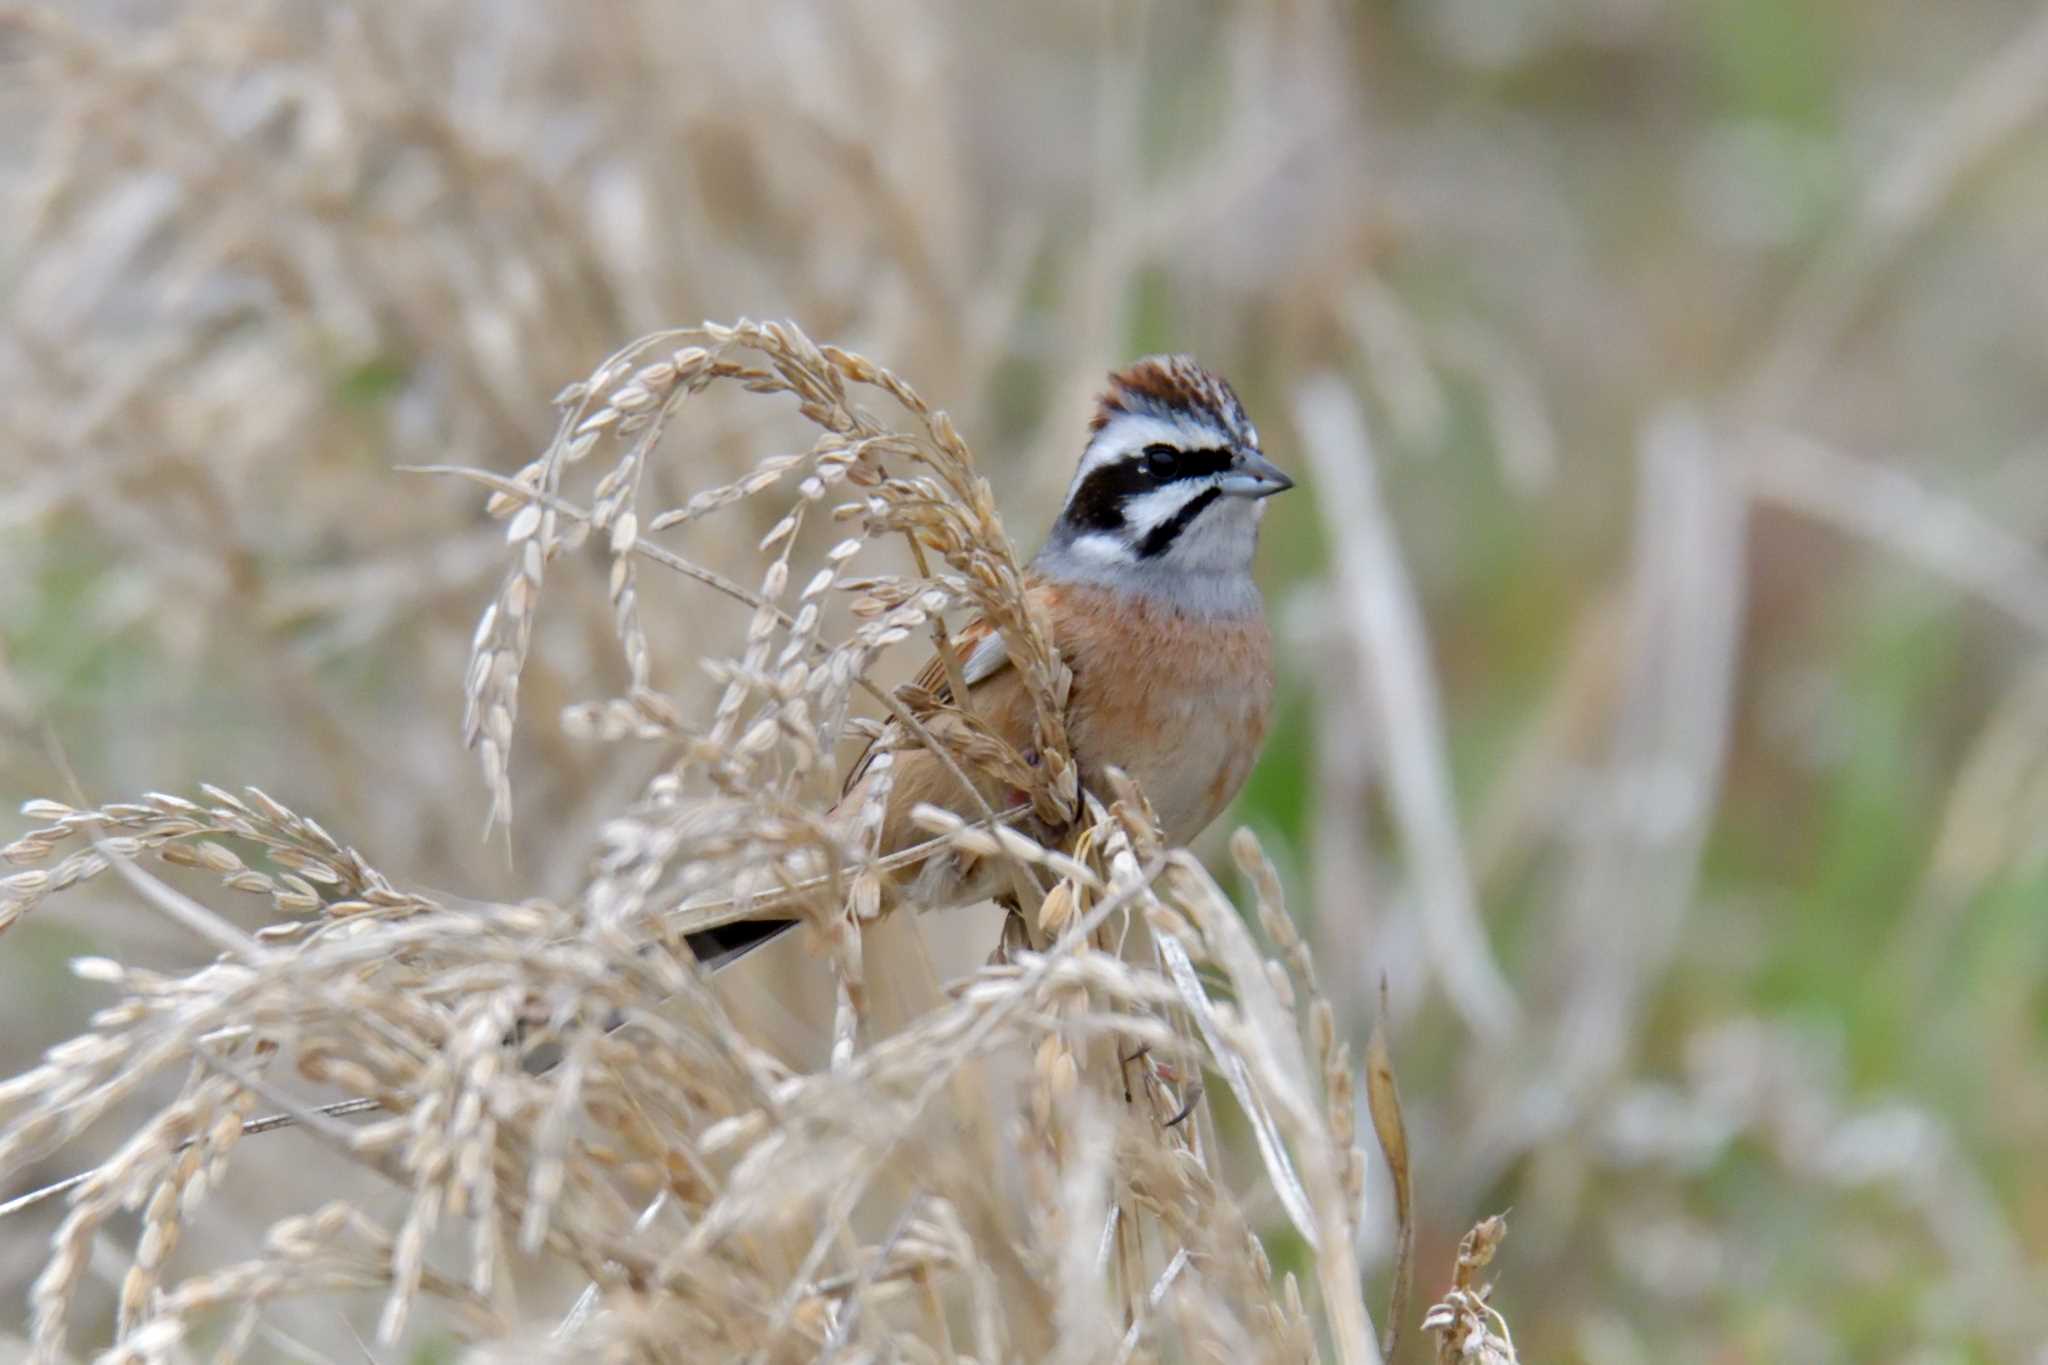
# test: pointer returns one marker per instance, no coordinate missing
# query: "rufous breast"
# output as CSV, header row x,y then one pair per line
x,y
1178,701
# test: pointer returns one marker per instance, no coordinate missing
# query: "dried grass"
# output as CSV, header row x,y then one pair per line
x,y
1027,1170
256,253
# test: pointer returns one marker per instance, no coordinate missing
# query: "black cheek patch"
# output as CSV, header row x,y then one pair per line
x,y
1166,532
1098,504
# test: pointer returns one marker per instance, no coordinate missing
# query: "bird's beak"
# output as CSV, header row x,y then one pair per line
x,y
1254,476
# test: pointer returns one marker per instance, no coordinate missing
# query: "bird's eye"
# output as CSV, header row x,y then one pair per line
x,y
1159,460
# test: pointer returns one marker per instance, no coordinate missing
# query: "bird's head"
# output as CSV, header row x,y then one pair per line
x,y
1169,492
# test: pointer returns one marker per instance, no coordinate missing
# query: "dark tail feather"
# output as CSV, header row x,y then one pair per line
x,y
728,943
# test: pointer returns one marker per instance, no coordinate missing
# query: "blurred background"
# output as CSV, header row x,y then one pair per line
x,y
1666,709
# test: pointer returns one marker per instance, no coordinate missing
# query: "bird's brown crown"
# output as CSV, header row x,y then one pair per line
x,y
1165,385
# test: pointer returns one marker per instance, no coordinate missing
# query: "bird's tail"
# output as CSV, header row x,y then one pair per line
x,y
724,929
725,944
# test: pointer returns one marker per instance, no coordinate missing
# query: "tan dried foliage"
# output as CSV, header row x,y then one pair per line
x,y
1467,1327
559,1096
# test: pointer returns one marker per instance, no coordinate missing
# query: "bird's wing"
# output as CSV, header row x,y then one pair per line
x,y
982,655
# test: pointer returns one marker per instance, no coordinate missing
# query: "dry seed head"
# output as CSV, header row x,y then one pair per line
x,y
416,1007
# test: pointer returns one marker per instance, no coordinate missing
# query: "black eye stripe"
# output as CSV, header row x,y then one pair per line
x,y
1166,532
1098,504
1190,464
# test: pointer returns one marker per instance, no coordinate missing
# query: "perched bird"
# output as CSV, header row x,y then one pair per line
x,y
1146,579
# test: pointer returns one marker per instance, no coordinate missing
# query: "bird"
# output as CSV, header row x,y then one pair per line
x,y
1146,580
